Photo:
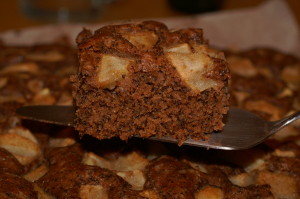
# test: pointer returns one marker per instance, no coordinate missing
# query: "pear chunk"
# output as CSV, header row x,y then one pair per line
x,y
192,68
112,69
142,39
180,48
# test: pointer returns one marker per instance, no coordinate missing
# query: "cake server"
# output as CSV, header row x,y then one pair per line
x,y
242,129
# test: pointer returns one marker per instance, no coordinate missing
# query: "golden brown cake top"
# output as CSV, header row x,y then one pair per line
x,y
115,49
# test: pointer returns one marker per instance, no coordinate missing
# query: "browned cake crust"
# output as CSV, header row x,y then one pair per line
x,y
66,159
9,164
13,186
142,79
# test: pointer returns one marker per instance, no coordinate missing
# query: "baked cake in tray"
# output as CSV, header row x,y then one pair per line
x,y
144,80
44,161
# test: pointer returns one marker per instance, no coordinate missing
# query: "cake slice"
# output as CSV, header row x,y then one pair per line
x,y
145,80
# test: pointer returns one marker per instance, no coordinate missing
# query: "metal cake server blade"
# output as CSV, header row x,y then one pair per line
x,y
242,129
59,115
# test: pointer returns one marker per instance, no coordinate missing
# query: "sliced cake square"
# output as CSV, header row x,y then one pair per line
x,y
144,80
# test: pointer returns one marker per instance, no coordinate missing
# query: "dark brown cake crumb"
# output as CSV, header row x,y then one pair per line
x,y
13,186
171,178
145,80
8,163
68,178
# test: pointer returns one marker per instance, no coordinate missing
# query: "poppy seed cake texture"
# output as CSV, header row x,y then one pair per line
x,y
145,80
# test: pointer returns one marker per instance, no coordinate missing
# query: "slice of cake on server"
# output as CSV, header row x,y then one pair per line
x,y
145,80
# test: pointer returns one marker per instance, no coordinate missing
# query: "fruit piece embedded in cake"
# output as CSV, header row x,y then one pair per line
x,y
145,80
